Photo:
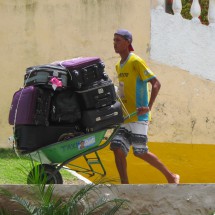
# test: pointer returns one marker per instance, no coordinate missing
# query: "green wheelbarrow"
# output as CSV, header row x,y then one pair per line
x,y
54,157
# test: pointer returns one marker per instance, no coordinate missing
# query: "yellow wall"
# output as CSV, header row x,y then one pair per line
x,y
34,32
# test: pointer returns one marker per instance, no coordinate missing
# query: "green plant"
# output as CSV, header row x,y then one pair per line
x,y
204,11
186,6
80,203
4,212
212,213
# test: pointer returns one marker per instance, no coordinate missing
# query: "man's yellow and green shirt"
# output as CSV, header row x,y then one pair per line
x,y
133,77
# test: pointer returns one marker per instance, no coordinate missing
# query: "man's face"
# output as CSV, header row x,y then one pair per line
x,y
120,44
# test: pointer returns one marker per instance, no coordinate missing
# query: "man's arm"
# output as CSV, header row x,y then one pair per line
x,y
154,92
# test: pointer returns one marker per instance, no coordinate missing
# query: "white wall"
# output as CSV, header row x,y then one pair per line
x,y
179,42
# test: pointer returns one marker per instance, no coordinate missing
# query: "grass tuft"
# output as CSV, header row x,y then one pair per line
x,y
11,170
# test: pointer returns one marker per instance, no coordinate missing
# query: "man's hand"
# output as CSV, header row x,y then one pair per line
x,y
142,110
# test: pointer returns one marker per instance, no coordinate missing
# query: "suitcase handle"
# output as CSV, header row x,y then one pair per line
x,y
107,116
45,68
102,96
102,102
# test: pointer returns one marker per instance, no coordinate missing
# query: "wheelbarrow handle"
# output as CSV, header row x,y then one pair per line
x,y
130,115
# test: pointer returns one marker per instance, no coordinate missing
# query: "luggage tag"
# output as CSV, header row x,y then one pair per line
x,y
55,82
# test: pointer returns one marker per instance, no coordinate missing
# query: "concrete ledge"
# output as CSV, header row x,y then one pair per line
x,y
165,199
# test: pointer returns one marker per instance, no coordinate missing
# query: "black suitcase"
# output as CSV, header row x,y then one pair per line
x,y
97,119
29,137
65,108
84,71
50,76
99,94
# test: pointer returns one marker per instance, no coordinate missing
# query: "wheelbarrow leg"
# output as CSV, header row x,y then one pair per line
x,y
95,160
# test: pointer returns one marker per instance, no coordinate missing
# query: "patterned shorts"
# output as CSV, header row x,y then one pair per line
x,y
131,134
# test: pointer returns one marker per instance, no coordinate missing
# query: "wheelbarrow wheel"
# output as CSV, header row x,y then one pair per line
x,y
44,173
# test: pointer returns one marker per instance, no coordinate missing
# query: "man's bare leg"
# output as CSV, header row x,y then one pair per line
x,y
153,160
121,165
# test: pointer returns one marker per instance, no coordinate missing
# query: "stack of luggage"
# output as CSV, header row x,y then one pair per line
x,y
73,96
